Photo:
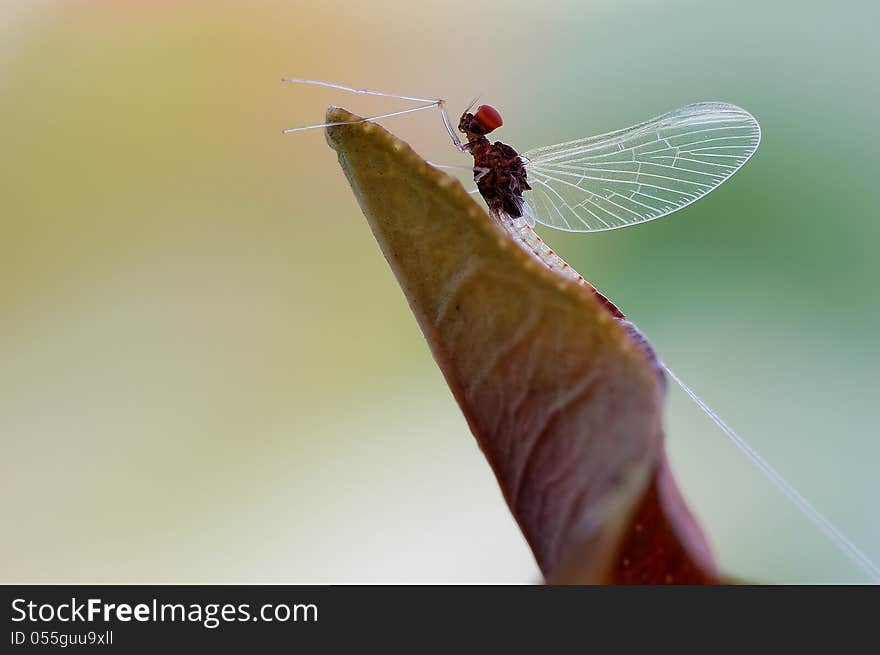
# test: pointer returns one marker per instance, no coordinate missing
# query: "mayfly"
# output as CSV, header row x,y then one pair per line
x,y
606,182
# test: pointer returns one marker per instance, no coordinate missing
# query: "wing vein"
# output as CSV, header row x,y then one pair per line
x,y
642,172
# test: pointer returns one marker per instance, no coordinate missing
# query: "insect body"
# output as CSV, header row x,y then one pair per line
x,y
633,175
602,182
609,181
499,171
501,178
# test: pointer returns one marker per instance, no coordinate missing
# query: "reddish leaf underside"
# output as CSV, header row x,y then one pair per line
x,y
564,399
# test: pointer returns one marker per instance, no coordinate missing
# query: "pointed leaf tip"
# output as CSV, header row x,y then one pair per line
x,y
563,398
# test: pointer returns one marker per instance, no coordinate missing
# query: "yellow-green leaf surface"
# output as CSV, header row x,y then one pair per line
x,y
564,400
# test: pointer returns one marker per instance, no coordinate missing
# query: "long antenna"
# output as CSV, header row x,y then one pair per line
x,y
806,507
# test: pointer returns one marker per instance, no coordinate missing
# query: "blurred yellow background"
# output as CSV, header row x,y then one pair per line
x,y
209,373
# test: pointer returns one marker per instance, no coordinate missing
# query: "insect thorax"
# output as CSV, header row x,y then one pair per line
x,y
500,176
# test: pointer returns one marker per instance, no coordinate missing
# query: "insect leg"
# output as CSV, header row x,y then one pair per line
x,y
432,102
452,167
456,142
360,120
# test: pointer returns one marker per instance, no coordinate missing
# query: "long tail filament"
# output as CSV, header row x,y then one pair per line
x,y
806,507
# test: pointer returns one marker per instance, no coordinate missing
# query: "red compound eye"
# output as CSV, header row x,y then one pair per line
x,y
488,118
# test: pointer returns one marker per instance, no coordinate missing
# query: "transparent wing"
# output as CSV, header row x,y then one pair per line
x,y
641,173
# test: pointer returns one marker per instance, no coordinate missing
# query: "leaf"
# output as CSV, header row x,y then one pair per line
x,y
564,398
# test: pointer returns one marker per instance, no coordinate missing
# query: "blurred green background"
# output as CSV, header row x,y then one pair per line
x,y
209,373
